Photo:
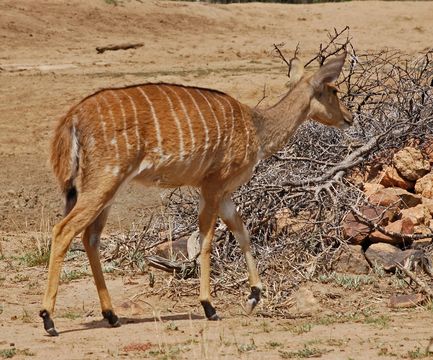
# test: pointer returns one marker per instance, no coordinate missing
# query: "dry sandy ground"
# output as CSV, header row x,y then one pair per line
x,y
48,61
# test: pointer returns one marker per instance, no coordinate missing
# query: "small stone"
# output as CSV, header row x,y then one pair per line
x,y
391,178
428,203
424,186
410,163
193,245
388,256
305,302
173,249
351,260
406,301
407,199
371,188
382,255
384,197
420,214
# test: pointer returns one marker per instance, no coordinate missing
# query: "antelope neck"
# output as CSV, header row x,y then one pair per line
x,y
277,124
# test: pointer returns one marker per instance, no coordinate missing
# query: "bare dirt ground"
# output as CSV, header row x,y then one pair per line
x,y
48,62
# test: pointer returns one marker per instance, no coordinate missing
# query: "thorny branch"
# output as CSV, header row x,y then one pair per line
x,y
309,183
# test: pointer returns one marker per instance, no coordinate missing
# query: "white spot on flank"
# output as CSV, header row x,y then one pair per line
x,y
177,122
155,121
113,141
115,171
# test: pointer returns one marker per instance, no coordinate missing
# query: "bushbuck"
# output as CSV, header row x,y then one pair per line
x,y
174,135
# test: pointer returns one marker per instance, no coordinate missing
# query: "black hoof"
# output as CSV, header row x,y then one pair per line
x,y
112,318
48,323
209,311
253,299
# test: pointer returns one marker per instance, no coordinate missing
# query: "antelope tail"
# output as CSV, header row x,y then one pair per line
x,y
65,158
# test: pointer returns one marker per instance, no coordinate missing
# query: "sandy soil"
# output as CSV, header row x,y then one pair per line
x,y
48,62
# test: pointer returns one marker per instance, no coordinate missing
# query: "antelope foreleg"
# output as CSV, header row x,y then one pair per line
x,y
207,220
234,222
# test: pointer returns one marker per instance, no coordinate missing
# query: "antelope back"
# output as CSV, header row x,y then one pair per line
x,y
164,134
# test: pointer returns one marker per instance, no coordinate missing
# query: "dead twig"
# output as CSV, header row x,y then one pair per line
x,y
127,46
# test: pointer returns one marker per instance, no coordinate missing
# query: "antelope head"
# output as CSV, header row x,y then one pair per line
x,y
325,106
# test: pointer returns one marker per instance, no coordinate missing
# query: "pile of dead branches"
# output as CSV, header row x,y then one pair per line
x,y
391,97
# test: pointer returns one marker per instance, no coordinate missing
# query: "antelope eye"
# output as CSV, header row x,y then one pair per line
x,y
335,91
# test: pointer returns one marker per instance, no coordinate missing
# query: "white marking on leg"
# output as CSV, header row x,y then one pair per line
x,y
160,150
215,118
113,121
188,119
134,109
144,165
94,240
177,122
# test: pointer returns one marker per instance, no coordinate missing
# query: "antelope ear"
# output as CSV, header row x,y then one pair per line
x,y
296,71
329,72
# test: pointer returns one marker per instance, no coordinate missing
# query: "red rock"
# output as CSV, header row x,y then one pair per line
x,y
173,249
384,197
391,178
420,214
410,163
388,195
356,232
371,188
403,226
350,259
424,186
406,301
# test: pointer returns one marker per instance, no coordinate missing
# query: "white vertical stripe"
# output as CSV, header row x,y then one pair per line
x,y
113,121
215,118
233,122
188,119
176,120
205,128
155,122
102,121
247,131
124,132
134,109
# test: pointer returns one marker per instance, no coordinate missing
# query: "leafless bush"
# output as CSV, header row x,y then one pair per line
x,y
390,96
